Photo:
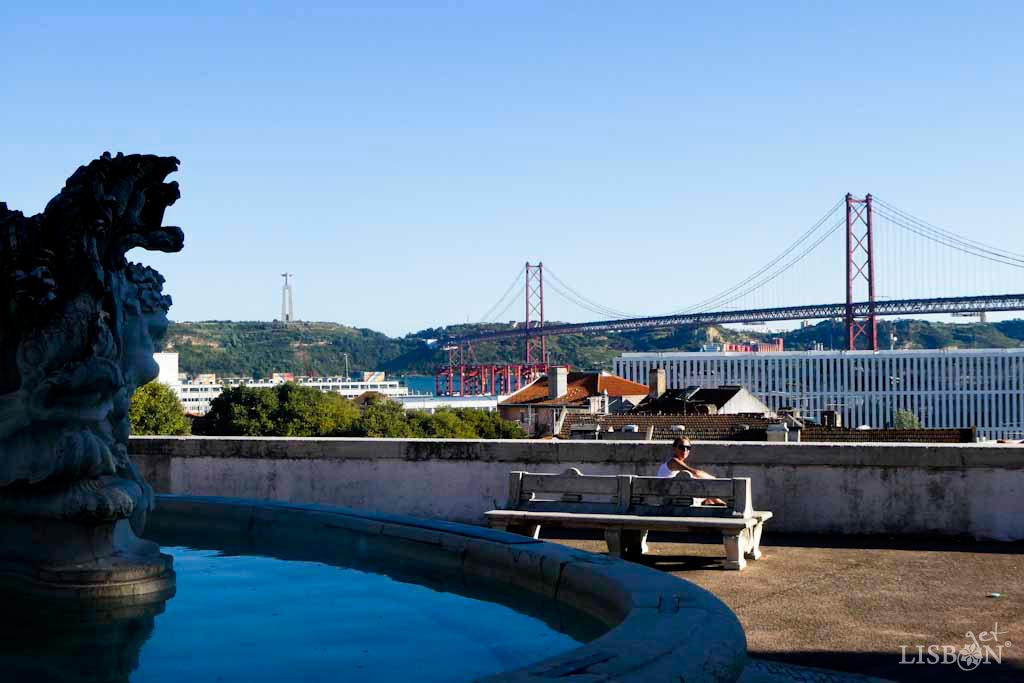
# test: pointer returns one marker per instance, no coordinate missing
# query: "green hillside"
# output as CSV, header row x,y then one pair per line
x,y
257,349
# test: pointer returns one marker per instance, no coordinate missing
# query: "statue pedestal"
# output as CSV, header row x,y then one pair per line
x,y
81,562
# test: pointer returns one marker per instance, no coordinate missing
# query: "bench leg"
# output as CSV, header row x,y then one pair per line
x,y
614,539
642,542
626,543
735,546
754,549
531,530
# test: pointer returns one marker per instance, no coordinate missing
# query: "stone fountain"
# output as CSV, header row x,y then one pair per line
x,y
77,338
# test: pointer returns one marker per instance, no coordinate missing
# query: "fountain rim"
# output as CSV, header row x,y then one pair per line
x,y
661,627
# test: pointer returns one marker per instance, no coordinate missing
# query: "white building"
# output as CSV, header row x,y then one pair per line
x,y
197,394
168,363
432,404
945,389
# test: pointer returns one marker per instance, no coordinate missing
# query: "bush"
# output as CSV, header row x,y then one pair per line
x,y
905,419
156,411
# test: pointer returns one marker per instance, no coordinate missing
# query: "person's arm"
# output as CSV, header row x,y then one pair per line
x,y
699,474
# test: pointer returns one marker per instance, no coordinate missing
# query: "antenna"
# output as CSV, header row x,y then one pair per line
x,y
287,312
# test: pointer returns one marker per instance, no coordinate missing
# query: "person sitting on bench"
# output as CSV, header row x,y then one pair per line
x,y
677,463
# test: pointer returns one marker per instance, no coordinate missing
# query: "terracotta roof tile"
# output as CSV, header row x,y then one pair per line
x,y
752,428
704,427
580,385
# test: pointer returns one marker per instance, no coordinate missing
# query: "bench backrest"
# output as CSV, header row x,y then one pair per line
x,y
670,497
574,491
571,491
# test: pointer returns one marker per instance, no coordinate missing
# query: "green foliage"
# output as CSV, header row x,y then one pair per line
x,y
389,419
293,410
905,419
384,419
307,411
284,410
156,410
488,425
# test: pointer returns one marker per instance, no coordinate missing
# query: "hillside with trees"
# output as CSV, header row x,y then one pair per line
x,y
257,349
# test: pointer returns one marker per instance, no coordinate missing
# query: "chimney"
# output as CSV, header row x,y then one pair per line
x,y
656,383
558,382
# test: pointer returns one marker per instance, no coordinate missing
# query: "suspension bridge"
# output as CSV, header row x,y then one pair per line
x,y
924,268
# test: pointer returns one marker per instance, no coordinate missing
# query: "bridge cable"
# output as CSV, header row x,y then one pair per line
x,y
995,257
707,303
778,273
580,303
600,307
513,300
486,317
967,241
575,297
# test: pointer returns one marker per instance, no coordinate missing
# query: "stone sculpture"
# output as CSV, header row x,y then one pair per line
x,y
76,339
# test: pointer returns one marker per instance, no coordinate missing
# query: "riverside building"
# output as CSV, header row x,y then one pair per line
x,y
981,388
197,394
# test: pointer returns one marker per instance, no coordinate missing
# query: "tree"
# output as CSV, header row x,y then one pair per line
x,y
444,424
490,425
284,410
385,419
156,410
239,411
294,410
307,411
905,419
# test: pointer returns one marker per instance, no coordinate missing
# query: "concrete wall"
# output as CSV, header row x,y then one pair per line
x,y
970,489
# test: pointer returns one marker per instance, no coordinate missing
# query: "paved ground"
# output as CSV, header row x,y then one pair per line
x,y
851,604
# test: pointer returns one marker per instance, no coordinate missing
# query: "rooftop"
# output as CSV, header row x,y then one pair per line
x,y
851,603
744,427
703,427
679,401
581,385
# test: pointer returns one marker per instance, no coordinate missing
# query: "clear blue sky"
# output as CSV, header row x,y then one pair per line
x,y
405,160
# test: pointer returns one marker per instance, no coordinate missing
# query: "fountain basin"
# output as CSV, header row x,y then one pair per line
x,y
275,591
655,626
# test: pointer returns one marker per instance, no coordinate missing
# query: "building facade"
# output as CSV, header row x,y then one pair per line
x,y
981,388
197,394
540,407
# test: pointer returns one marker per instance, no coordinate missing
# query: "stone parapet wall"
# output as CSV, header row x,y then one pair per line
x,y
961,489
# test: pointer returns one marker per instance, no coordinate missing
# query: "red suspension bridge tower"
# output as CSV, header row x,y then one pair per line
x,y
860,269
536,347
464,375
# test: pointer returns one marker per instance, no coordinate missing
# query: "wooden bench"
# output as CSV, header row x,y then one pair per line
x,y
627,507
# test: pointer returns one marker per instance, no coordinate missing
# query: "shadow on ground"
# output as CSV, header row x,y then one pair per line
x,y
856,603
884,665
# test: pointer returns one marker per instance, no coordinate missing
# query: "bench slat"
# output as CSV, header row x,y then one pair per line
x,y
569,519
682,486
603,485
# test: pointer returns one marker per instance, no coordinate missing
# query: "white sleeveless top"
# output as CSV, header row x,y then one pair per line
x,y
665,473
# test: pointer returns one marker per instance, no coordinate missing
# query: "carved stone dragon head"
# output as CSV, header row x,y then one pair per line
x,y
77,337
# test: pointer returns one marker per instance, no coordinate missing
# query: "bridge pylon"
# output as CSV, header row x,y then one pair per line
x,y
536,345
860,270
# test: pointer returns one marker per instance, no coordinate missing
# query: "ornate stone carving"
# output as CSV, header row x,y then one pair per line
x,y
76,339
